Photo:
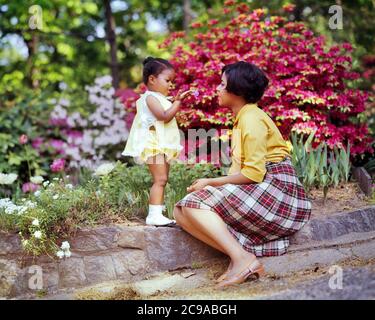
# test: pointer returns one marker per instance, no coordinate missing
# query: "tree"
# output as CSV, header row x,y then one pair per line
x,y
111,38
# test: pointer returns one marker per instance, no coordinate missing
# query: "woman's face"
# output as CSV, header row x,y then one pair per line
x,y
163,82
225,97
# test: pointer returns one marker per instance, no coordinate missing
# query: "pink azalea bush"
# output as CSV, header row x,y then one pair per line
x,y
58,165
308,80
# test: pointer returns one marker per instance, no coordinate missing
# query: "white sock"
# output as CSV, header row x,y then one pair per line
x,y
155,209
155,216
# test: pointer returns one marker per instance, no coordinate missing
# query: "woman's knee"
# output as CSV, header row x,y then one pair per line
x,y
177,213
179,216
186,212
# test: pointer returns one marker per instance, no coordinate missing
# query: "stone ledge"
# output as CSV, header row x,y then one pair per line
x,y
333,226
129,253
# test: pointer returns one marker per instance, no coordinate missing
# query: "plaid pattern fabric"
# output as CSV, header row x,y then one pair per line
x,y
260,216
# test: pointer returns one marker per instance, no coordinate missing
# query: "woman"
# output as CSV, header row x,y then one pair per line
x,y
252,211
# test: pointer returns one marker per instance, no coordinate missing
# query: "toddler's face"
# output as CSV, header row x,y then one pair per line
x,y
163,83
224,96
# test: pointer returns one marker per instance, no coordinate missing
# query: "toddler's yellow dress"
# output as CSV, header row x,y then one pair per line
x,y
149,136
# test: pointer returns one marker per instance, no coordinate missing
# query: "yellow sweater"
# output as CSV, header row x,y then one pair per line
x,y
255,141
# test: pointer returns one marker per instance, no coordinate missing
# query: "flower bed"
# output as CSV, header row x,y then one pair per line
x,y
114,193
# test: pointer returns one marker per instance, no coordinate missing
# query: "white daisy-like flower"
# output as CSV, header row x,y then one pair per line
x,y
38,234
65,245
55,179
67,253
60,254
35,222
55,197
37,193
37,179
8,178
25,242
69,186
45,183
104,169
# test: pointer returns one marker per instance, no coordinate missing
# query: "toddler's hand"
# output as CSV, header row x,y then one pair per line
x,y
182,95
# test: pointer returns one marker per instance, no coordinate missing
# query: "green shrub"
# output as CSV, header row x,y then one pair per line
x,y
318,167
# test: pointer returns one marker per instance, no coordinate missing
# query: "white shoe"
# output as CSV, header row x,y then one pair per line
x,y
158,220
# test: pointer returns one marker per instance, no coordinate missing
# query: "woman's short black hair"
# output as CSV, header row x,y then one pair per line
x,y
154,66
246,80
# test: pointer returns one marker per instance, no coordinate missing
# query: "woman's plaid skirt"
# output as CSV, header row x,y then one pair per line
x,y
261,216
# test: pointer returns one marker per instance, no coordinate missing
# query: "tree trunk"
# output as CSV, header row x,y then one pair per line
x,y
298,10
187,15
32,46
111,38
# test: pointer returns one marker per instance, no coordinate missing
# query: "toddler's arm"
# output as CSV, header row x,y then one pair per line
x,y
159,112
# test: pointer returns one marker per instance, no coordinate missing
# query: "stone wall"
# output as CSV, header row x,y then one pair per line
x,y
100,254
131,253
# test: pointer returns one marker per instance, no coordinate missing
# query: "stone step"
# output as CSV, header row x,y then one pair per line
x,y
334,226
355,246
129,253
283,275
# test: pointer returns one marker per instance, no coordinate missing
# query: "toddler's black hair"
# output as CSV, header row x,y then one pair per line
x,y
246,80
153,67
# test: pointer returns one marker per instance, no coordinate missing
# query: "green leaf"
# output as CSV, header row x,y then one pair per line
x,y
14,159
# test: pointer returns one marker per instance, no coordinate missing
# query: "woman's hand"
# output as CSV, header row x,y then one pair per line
x,y
198,185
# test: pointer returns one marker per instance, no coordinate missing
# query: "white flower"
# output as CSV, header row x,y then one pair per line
x,y
37,179
35,222
65,245
38,234
55,179
22,209
69,186
30,204
104,169
45,183
11,209
25,242
60,254
37,193
8,178
55,197
4,203
68,253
